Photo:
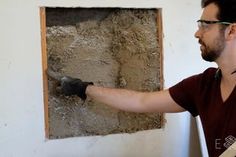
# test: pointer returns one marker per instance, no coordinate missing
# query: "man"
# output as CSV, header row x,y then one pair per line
x,y
211,94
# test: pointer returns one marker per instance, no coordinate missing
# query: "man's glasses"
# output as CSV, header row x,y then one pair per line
x,y
204,24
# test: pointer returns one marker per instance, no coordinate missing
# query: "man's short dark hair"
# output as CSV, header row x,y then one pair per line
x,y
227,9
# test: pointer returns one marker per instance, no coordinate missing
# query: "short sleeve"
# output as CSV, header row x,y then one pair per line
x,y
190,93
184,92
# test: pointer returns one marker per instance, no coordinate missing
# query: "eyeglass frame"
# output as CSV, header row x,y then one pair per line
x,y
204,23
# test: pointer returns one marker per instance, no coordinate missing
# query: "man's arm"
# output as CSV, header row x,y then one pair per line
x,y
122,99
134,101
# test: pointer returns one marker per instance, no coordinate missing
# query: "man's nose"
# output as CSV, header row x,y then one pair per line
x,y
197,34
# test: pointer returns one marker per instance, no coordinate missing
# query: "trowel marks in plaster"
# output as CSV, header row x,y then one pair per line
x,y
111,47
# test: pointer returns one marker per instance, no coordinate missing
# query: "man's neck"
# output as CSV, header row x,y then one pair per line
x,y
227,64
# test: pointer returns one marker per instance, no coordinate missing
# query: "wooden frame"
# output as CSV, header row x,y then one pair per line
x,y
45,64
44,68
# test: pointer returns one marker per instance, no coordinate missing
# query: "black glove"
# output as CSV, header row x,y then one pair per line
x,y
74,86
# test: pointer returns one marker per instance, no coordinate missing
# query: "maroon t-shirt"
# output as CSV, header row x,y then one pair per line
x,y
201,95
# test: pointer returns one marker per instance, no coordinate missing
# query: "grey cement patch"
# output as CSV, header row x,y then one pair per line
x,y
110,47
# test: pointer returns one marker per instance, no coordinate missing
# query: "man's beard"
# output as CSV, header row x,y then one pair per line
x,y
211,53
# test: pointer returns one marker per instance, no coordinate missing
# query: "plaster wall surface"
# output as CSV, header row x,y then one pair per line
x,y
21,93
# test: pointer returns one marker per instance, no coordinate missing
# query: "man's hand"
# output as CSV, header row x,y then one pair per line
x,y
74,86
68,85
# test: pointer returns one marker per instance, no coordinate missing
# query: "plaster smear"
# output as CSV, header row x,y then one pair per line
x,y
110,47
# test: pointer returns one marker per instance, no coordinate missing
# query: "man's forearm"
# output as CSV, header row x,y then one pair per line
x,y
122,99
134,101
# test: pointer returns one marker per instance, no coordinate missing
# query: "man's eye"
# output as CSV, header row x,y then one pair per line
x,y
204,24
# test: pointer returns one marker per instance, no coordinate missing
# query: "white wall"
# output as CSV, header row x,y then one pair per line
x,y
21,90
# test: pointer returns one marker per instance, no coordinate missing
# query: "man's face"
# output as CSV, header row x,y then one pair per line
x,y
211,36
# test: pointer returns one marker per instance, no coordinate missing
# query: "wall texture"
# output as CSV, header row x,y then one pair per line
x,y
112,48
21,93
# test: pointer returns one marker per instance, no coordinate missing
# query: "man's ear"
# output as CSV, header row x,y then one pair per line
x,y
231,31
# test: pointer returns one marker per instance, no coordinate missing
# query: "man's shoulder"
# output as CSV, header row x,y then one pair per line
x,y
210,71
206,75
210,74
201,80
